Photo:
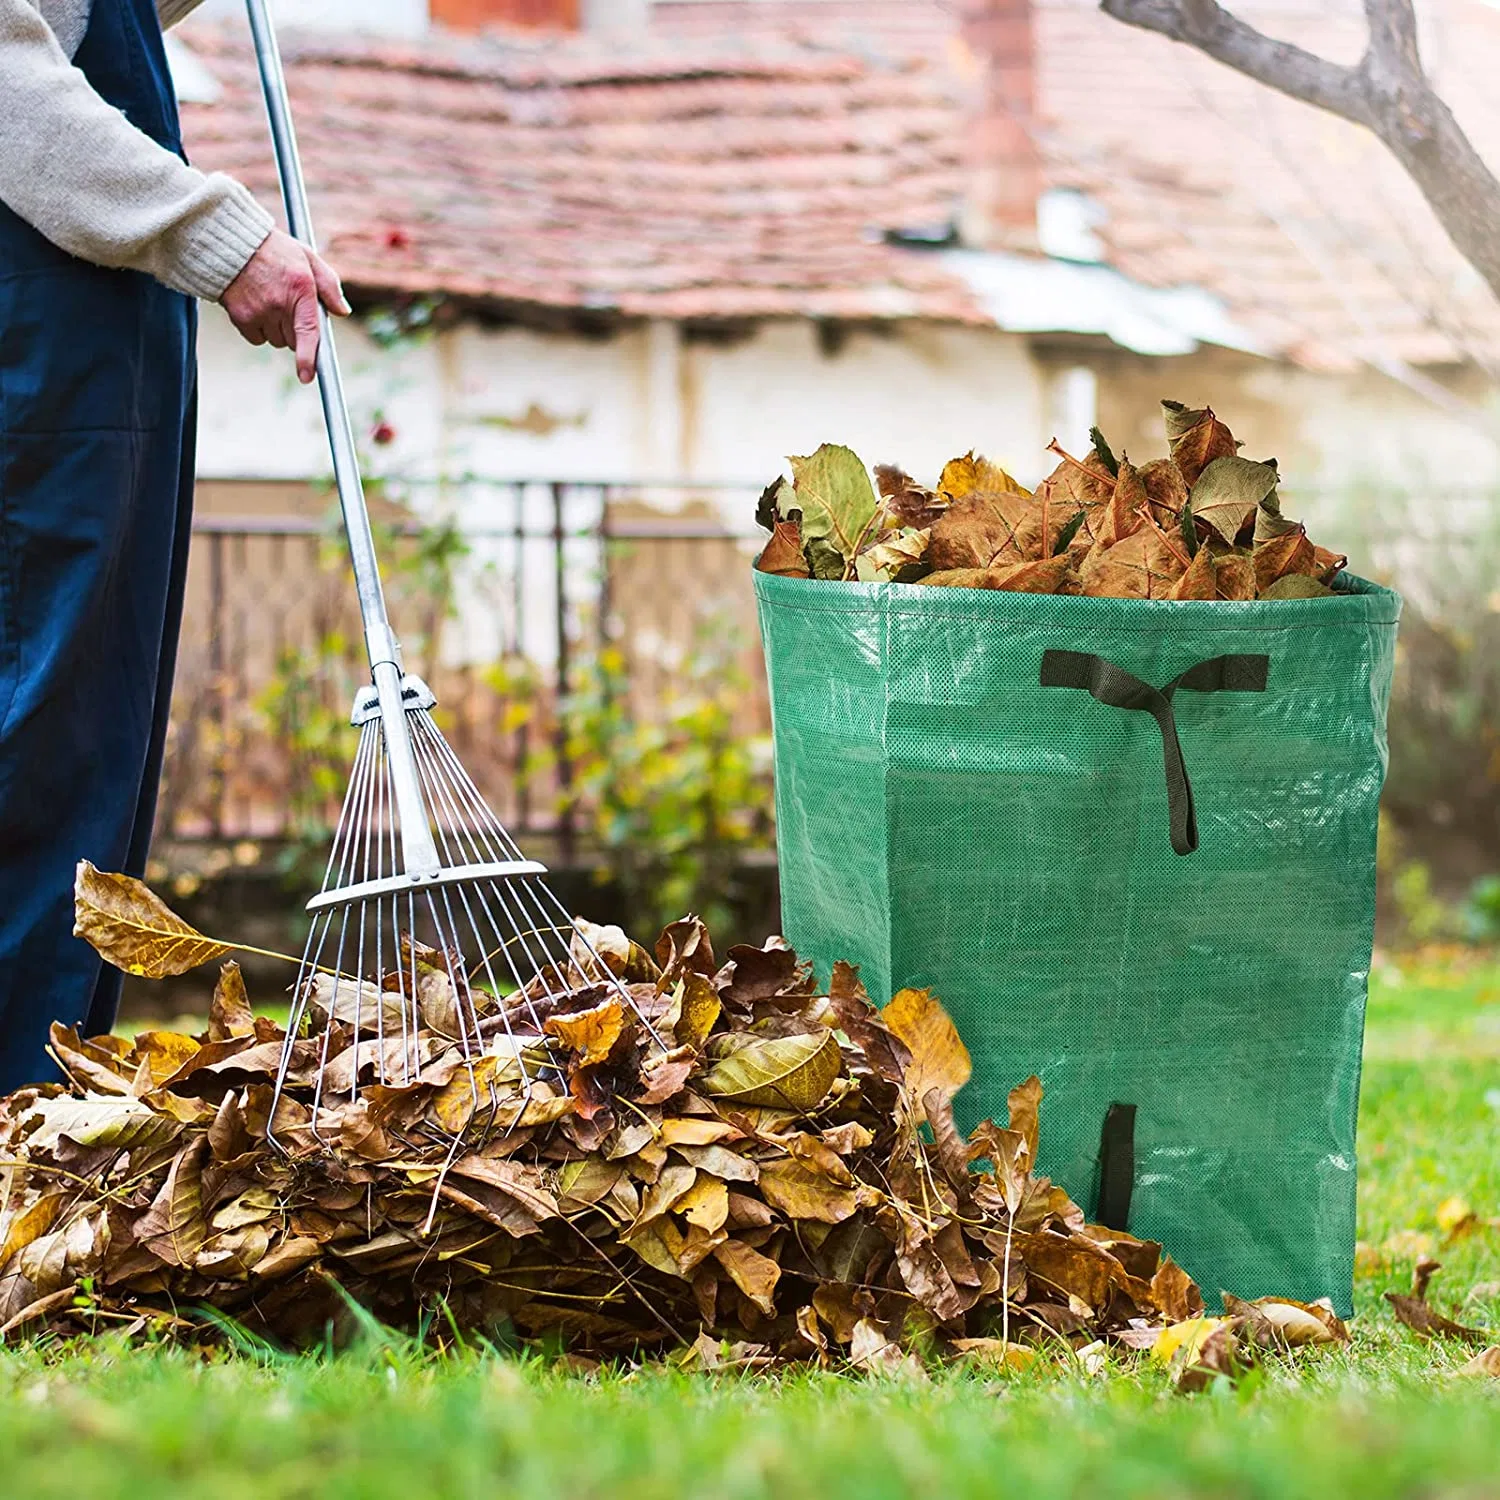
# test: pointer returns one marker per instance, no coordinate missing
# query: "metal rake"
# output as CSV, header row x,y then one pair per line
x,y
432,930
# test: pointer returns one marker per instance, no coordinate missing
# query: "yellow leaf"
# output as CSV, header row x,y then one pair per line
x,y
997,1354
1187,1337
134,929
31,1224
591,1034
939,1059
802,1192
705,1204
793,1072
972,474
1454,1215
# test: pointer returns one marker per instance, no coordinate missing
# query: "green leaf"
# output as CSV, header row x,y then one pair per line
x,y
836,499
824,560
1228,493
1105,452
793,1072
1067,534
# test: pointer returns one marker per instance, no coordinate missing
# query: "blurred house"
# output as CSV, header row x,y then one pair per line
x,y
653,246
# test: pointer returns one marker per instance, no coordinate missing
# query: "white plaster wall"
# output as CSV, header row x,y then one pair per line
x,y
642,406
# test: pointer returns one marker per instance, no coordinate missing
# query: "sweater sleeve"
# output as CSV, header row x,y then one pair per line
x,y
74,168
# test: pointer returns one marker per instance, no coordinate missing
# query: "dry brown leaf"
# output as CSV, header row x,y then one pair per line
x,y
1196,438
135,929
229,1014
939,1059
783,555
754,1274
1145,565
1486,1363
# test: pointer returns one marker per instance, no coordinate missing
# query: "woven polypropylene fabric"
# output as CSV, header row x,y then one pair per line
x,y
945,820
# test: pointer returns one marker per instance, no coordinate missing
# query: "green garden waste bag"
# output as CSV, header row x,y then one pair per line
x,y
1131,846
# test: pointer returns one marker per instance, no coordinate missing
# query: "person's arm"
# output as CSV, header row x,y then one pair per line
x,y
75,169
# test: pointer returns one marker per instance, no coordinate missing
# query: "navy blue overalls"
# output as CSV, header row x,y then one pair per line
x,y
97,413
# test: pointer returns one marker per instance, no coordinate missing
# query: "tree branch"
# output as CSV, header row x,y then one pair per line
x,y
1393,36
1388,93
1208,27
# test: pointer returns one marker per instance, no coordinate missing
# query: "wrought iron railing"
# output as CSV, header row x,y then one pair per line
x,y
500,603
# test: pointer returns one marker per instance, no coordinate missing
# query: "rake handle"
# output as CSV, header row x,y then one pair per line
x,y
419,852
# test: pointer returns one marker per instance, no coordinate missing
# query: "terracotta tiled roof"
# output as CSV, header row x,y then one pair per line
x,y
683,182
749,166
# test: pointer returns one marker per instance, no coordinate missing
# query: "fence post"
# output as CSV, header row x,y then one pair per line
x,y
565,828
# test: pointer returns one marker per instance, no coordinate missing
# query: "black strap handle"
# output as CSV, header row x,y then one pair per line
x,y
1116,1167
1117,688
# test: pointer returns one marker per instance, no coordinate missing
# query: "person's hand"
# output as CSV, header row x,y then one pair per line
x,y
274,300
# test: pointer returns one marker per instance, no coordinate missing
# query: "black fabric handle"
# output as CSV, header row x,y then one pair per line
x,y
1117,688
1116,1167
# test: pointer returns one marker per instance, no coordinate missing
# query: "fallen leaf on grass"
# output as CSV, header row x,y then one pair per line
x,y
1486,1362
1416,1313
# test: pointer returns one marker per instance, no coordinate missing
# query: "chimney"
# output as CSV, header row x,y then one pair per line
x,y
476,15
1005,174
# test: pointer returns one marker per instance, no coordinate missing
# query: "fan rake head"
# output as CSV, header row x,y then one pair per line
x,y
461,962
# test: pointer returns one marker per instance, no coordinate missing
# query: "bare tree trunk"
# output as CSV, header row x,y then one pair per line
x,y
1387,92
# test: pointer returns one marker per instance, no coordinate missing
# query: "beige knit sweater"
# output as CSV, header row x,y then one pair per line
x,y
75,169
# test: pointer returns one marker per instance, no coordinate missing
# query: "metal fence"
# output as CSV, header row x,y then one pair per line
x,y
503,596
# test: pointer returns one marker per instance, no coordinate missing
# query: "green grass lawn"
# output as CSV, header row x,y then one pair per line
x,y
1383,1418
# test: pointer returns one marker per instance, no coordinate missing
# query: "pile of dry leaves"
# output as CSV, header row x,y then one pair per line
x,y
1202,523
775,1177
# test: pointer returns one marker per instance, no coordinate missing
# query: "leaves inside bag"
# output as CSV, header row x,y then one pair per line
x,y
1202,523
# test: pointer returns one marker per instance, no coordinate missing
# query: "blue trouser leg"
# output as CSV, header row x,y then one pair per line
x,y
95,494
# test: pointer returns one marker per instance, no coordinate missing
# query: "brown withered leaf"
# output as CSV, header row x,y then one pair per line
x,y
1234,576
1413,1309
1175,1293
230,1014
899,557
1146,565
135,929
1195,438
1043,576
1201,581
1076,485
861,1022
909,503
1281,1323
987,529
801,1191
1166,491
1126,509
754,1274
1287,555
783,554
